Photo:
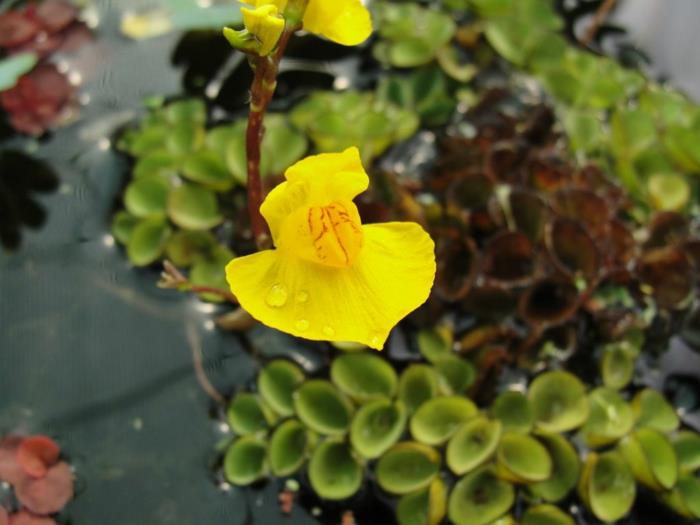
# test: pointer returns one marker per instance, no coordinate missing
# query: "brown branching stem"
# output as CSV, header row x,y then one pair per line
x,y
598,19
262,91
172,278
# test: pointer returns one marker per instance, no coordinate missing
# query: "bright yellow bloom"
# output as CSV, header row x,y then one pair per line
x,y
265,24
330,277
346,22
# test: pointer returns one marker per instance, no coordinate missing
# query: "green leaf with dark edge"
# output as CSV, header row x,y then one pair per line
x,y
123,224
160,163
147,241
610,418
456,374
277,382
566,467
377,425
210,271
193,208
546,515
417,384
407,467
245,461
189,111
651,410
13,67
433,344
322,407
439,418
687,446
334,472
514,411
607,486
521,458
208,169
364,376
558,401
651,457
247,414
473,444
424,507
617,367
289,446
146,197
480,498
185,247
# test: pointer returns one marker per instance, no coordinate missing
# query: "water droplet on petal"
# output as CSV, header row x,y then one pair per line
x,y
328,331
375,339
276,296
302,297
302,325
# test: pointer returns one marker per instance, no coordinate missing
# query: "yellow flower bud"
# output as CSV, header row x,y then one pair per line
x,y
265,24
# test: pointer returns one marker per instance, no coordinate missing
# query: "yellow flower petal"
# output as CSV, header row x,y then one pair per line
x,y
346,22
265,24
279,4
392,276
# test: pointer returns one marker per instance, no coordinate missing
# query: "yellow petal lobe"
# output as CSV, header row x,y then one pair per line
x,y
345,22
391,276
265,24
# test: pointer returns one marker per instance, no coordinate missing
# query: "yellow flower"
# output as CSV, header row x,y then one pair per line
x,y
330,277
265,24
346,22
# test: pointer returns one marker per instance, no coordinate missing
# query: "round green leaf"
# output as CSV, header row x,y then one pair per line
x,y
566,467
247,414
244,462
607,486
123,224
407,467
334,472
513,410
687,447
184,247
158,164
417,384
210,271
457,374
558,401
188,111
652,458
146,197
651,410
434,344
439,418
364,376
184,138
523,458
610,417
277,382
685,498
473,444
147,241
208,169
546,515
617,367
424,507
322,408
193,208
480,498
668,191
288,448
377,426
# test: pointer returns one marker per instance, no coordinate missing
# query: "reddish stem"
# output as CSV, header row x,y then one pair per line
x,y
224,294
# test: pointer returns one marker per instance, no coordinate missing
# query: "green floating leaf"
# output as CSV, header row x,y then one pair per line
x,y
514,411
617,365
364,376
288,449
407,467
418,384
434,344
193,207
424,507
277,382
322,407
610,417
245,461
439,418
210,271
668,191
558,401
247,414
334,472
147,196
473,445
685,497
377,426
565,469
208,169
189,111
123,224
521,458
546,515
147,241
184,247
652,458
158,163
607,486
148,140
480,498
682,145
687,447
184,138
456,374
651,410
13,67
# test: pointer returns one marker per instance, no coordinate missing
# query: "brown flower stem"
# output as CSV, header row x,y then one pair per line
x,y
224,294
173,278
262,91
598,19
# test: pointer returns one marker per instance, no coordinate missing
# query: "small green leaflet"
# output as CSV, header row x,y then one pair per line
x,y
13,67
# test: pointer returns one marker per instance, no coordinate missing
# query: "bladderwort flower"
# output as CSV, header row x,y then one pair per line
x,y
330,277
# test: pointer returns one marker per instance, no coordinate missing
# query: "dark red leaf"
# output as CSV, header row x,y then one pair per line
x,y
16,29
27,518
